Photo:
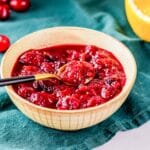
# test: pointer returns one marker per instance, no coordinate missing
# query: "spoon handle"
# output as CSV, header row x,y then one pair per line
x,y
22,79
16,80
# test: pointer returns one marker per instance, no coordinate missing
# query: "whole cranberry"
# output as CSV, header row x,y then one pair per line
x,y
43,99
95,100
29,70
4,12
19,5
34,58
68,102
25,90
48,67
77,72
4,43
3,1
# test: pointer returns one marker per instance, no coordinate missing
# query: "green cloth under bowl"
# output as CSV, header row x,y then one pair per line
x,y
17,132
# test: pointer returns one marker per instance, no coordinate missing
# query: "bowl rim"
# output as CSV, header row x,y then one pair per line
x,y
126,88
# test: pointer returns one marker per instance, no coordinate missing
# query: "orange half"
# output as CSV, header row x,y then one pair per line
x,y
138,15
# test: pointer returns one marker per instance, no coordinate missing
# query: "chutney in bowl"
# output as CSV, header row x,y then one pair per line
x,y
69,113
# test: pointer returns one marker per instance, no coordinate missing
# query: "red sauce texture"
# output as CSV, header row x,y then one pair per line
x,y
83,62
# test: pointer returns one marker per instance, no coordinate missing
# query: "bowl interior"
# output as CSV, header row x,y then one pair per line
x,y
70,35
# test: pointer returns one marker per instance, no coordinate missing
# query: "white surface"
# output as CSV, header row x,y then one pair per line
x,y
135,139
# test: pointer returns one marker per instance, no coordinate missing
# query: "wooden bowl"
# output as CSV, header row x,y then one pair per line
x,y
69,119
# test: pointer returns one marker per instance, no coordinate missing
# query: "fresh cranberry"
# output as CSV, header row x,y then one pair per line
x,y
19,5
32,58
4,1
68,102
43,99
29,70
4,43
4,12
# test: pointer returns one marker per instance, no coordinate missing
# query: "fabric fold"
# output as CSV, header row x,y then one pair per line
x,y
18,132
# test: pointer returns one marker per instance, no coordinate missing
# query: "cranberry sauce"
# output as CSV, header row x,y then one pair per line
x,y
82,62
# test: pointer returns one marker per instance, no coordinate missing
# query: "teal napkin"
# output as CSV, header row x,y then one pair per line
x,y
18,132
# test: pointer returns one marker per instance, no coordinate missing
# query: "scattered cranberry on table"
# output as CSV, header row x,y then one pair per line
x,y
19,5
82,61
16,5
4,11
4,43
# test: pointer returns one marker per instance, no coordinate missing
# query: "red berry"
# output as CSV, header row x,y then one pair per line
x,y
96,85
3,1
4,12
68,102
73,55
95,100
29,70
43,99
19,5
25,90
108,92
77,72
32,58
86,90
4,43
63,90
48,67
